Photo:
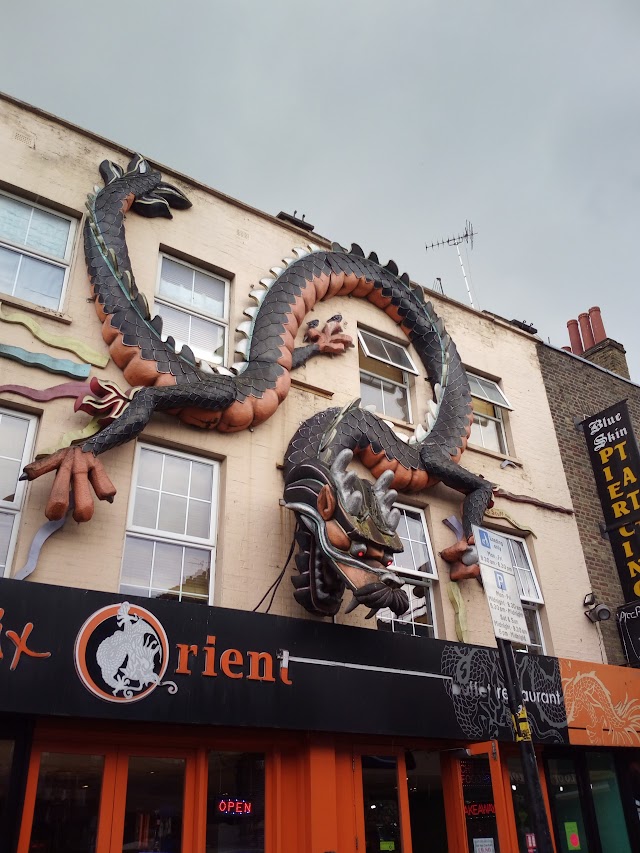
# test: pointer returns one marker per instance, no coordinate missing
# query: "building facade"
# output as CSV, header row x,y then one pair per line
x,y
163,686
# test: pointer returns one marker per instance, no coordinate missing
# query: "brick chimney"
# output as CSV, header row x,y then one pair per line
x,y
589,340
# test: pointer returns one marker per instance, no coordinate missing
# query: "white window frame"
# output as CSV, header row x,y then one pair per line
x,y
531,603
427,581
499,420
186,309
153,535
63,263
405,370
16,506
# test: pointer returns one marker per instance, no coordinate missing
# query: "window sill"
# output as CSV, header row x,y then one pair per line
x,y
494,454
32,308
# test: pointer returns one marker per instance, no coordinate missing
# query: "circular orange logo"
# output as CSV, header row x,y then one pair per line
x,y
121,653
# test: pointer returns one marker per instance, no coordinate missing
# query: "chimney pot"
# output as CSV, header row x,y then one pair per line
x,y
585,329
567,349
574,337
597,325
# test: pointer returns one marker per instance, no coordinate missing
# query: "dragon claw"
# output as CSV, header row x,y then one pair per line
x,y
331,340
74,469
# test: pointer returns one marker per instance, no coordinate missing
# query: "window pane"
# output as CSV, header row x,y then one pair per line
x,y
201,480
173,514
6,528
199,520
9,473
14,219
206,340
145,512
176,475
175,323
9,263
235,803
490,436
396,401
374,345
492,392
197,563
13,435
176,281
415,527
167,566
398,355
475,387
65,818
208,294
40,282
153,812
48,233
370,392
137,561
150,469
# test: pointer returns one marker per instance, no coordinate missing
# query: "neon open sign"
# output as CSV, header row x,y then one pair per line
x,y
230,806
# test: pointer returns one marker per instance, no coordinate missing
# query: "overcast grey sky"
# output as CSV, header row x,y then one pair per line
x,y
387,123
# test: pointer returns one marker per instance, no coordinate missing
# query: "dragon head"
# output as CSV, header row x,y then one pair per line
x,y
347,537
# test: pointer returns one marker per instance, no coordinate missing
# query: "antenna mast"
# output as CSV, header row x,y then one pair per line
x,y
466,237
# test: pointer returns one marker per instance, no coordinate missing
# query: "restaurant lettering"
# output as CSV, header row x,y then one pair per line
x,y
615,460
19,642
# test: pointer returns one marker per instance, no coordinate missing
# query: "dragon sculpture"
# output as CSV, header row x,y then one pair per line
x,y
346,525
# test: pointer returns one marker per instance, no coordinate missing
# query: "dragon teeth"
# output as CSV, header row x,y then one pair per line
x,y
314,248
288,261
239,367
299,252
267,281
437,390
251,311
431,421
277,271
433,408
258,295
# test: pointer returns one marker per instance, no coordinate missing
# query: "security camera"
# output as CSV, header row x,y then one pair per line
x,y
598,613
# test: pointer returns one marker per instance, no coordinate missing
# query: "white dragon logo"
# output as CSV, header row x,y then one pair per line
x,y
127,658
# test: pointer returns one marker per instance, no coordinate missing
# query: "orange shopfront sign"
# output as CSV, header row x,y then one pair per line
x,y
602,702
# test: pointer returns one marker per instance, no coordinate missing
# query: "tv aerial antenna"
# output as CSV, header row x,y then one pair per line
x,y
466,237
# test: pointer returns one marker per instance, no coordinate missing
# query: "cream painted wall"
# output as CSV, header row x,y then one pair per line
x,y
59,168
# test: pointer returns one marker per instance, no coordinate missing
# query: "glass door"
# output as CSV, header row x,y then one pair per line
x,y
485,813
382,824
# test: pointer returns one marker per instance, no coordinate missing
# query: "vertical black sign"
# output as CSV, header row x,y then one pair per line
x,y
613,451
629,627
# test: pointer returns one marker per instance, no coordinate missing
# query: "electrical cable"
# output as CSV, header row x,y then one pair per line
x,y
274,586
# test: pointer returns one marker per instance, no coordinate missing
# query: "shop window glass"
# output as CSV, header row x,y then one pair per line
x,y
235,803
607,803
520,805
567,807
381,812
65,818
6,757
384,376
479,805
426,802
153,812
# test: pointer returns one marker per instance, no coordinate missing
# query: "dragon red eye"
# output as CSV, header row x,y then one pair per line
x,y
389,562
360,553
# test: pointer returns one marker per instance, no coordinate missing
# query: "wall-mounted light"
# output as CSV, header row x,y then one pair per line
x,y
597,612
